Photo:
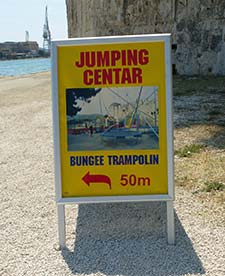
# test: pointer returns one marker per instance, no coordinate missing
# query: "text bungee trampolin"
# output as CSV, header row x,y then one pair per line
x,y
112,67
116,160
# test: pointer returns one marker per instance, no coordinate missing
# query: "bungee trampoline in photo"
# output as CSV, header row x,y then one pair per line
x,y
112,118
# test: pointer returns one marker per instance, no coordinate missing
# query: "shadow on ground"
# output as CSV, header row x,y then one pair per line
x,y
200,101
129,239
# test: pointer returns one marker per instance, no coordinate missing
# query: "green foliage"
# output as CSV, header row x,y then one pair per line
x,y
213,186
82,94
188,150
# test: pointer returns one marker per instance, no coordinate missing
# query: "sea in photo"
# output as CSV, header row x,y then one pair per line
x,y
112,118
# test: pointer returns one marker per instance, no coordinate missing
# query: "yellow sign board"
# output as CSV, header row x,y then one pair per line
x,y
112,118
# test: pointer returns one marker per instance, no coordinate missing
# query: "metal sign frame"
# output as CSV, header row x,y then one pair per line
x,y
56,132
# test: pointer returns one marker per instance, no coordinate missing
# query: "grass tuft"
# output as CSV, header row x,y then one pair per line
x,y
188,150
213,186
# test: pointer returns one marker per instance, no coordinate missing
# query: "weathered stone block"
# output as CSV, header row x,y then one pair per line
x,y
197,27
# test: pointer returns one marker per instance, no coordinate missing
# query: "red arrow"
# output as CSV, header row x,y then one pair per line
x,y
96,178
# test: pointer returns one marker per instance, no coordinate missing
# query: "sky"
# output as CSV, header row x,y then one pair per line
x,y
19,16
101,102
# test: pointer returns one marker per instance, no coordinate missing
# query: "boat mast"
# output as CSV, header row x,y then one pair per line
x,y
135,113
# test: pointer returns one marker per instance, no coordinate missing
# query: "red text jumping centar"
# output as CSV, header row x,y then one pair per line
x,y
109,66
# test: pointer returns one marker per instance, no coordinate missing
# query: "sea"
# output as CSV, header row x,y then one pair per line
x,y
24,66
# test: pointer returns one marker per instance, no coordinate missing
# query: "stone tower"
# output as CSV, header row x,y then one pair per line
x,y
197,27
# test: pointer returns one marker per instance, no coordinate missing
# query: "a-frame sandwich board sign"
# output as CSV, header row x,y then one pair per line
x,y
112,120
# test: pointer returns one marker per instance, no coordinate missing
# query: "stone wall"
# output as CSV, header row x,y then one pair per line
x,y
197,27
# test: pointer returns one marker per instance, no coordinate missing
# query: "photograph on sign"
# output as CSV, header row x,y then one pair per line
x,y
112,118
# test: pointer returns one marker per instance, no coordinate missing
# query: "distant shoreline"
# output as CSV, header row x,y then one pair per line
x,y
25,75
16,59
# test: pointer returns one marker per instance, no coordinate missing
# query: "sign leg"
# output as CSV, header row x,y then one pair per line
x,y
170,223
61,225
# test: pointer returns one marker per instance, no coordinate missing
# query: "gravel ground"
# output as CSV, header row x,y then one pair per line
x,y
103,239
